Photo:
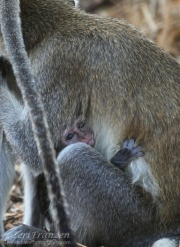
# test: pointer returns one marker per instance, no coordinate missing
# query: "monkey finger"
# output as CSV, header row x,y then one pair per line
x,y
136,149
128,143
125,144
137,154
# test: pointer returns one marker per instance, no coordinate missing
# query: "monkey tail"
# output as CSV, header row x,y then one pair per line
x,y
14,44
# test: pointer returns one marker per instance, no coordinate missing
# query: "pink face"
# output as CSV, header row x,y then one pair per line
x,y
78,132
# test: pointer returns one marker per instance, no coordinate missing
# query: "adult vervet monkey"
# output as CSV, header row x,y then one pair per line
x,y
122,84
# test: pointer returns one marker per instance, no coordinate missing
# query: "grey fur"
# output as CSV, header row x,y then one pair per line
x,y
6,175
123,85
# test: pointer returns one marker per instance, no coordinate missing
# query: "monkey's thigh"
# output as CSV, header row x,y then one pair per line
x,y
103,204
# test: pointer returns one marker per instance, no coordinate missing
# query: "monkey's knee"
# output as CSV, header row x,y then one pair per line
x,y
79,158
75,153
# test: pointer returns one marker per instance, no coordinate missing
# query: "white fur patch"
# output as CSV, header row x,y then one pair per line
x,y
164,242
140,173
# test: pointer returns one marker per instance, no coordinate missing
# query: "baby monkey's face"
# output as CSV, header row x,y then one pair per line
x,y
79,131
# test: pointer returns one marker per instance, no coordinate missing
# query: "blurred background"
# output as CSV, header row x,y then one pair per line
x,y
158,19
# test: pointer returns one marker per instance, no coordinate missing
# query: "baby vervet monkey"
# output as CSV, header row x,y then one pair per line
x,y
80,131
